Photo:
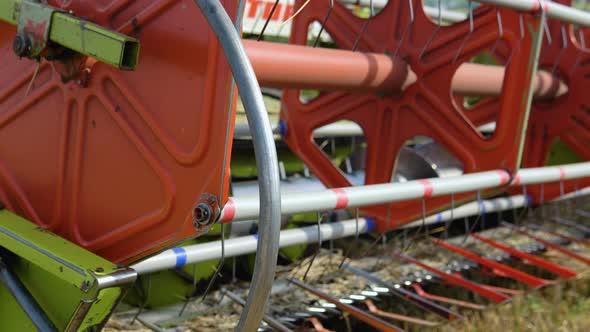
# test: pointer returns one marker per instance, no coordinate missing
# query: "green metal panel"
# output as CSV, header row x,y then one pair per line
x,y
76,288
90,39
8,11
75,34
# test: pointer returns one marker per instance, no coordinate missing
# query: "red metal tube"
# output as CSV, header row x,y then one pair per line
x,y
292,66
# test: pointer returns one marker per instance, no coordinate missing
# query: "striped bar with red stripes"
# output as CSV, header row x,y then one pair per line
x,y
350,197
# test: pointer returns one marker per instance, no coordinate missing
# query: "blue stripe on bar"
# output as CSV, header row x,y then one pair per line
x,y
180,257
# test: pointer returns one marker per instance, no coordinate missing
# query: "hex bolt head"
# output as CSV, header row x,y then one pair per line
x,y
21,45
202,215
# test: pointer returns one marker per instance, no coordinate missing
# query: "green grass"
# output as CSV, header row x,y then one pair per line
x,y
563,307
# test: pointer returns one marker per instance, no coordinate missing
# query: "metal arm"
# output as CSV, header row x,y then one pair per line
x,y
266,161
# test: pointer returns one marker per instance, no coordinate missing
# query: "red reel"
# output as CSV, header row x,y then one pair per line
x,y
118,161
565,118
425,108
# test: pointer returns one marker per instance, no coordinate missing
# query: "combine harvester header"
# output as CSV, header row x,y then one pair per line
x,y
117,124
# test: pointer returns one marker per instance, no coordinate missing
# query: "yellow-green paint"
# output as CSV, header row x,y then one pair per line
x,y
59,275
81,36
93,40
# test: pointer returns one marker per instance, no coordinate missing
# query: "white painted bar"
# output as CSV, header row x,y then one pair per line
x,y
554,10
244,245
177,257
302,202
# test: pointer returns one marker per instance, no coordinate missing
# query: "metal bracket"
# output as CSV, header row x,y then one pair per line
x,y
34,24
43,31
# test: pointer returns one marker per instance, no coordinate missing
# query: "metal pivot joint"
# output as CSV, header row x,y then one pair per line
x,y
206,212
44,31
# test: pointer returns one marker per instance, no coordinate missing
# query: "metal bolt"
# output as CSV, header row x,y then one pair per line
x,y
202,214
21,45
99,269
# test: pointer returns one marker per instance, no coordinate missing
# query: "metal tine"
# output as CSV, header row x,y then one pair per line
x,y
564,46
365,25
219,266
275,324
272,11
296,13
431,39
522,35
537,261
572,224
32,81
188,298
356,238
366,317
506,270
422,226
325,21
406,295
583,213
491,295
144,303
420,291
561,235
542,201
582,51
375,310
448,222
320,216
213,278
550,244
471,29
500,32
149,325
317,325
476,222
545,24
407,28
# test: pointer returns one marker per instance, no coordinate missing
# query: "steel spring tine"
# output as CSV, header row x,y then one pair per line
x,y
581,51
219,266
32,81
320,216
471,28
422,227
188,298
259,12
545,24
564,45
356,238
448,222
324,22
296,13
146,296
439,19
500,33
522,35
364,27
542,201
479,216
407,28
272,12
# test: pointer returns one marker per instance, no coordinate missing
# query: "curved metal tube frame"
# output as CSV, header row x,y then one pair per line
x,y
266,161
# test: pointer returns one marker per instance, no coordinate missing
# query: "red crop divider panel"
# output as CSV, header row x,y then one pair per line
x,y
459,281
493,265
117,161
532,259
426,107
565,118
